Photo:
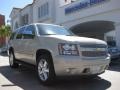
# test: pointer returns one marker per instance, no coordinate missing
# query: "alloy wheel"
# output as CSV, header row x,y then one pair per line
x,y
43,70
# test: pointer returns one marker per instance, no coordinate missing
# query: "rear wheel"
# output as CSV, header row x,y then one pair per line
x,y
12,62
45,69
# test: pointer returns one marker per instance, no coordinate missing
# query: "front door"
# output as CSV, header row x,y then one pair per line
x,y
29,43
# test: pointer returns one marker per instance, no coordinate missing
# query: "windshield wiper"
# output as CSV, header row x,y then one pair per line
x,y
49,34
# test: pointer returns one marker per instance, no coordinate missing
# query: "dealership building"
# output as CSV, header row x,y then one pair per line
x,y
90,18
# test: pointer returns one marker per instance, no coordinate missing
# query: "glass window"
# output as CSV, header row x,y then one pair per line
x,y
43,10
47,9
53,30
25,19
29,32
19,34
39,12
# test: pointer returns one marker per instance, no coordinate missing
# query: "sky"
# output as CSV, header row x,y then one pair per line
x,y
6,6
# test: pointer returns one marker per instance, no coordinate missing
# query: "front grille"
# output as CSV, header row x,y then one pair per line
x,y
93,53
93,46
93,50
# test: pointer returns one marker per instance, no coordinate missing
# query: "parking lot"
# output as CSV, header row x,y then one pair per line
x,y
25,78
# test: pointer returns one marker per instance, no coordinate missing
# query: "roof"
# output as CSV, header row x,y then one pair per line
x,y
14,8
26,6
21,8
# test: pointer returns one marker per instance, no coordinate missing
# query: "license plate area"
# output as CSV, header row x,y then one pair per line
x,y
96,69
93,69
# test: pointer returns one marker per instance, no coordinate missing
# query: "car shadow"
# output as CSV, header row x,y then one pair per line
x,y
26,79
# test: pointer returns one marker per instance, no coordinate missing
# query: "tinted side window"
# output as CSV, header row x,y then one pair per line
x,y
19,34
29,32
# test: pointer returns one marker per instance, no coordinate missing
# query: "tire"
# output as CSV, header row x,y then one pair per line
x,y
45,69
12,59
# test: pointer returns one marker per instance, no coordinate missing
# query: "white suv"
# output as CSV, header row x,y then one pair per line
x,y
55,51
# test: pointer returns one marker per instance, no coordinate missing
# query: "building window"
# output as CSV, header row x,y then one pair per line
x,y
25,19
110,38
47,8
39,10
16,25
43,10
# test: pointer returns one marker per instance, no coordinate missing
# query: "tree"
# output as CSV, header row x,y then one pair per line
x,y
5,31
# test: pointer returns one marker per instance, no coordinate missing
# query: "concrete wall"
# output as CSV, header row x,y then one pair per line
x,y
118,35
15,18
28,10
110,34
109,5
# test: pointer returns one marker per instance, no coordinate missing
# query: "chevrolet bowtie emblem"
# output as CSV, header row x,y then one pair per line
x,y
98,49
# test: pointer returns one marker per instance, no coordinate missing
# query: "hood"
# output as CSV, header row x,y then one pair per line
x,y
76,39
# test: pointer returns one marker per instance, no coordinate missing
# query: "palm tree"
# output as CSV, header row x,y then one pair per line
x,y
5,31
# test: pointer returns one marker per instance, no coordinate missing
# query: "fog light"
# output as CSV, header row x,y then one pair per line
x,y
86,70
67,70
106,66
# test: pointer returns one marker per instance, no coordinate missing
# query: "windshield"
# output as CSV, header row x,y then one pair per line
x,y
53,30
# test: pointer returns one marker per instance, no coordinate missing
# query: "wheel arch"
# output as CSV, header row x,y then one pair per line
x,y
43,52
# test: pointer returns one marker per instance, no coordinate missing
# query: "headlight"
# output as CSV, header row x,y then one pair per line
x,y
68,49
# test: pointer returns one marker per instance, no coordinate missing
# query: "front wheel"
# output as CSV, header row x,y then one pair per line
x,y
12,62
45,69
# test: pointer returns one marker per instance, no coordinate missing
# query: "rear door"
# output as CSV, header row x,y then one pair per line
x,y
18,44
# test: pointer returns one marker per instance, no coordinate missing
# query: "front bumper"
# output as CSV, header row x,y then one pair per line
x,y
74,65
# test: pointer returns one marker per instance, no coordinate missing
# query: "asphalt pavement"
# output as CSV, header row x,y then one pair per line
x,y
25,78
